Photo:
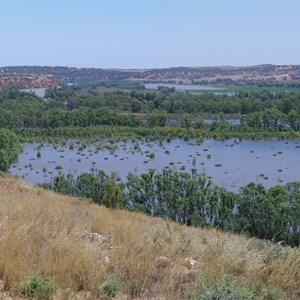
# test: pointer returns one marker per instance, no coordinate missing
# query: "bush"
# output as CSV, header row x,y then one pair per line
x,y
152,155
110,287
37,287
230,290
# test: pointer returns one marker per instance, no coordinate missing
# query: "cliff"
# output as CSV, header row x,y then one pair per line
x,y
28,81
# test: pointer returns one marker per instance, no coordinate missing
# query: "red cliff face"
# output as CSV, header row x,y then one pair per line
x,y
28,81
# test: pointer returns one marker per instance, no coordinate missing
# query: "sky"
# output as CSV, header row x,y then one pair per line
x,y
149,34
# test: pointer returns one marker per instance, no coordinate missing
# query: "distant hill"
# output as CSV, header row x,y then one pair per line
x,y
247,75
28,81
52,244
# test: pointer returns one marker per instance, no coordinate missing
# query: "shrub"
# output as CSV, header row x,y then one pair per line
x,y
37,287
229,290
110,287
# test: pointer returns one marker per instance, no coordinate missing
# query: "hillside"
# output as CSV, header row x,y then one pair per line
x,y
28,81
244,75
91,252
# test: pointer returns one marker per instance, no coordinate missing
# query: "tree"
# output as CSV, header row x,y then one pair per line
x,y
88,186
53,118
199,123
253,120
158,118
293,119
186,121
114,196
135,106
271,118
10,148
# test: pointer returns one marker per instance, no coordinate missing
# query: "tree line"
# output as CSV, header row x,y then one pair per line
x,y
191,199
166,99
67,107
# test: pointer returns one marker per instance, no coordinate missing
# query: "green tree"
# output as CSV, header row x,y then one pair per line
x,y
10,148
88,186
253,120
293,119
55,117
271,118
135,106
199,123
186,121
114,196
158,119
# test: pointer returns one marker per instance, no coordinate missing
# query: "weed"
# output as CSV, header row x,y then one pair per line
x,y
228,289
110,287
37,287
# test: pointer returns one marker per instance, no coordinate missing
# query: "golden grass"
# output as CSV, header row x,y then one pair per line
x,y
45,233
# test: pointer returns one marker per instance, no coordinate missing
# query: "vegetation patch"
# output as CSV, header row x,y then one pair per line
x,y
110,287
36,287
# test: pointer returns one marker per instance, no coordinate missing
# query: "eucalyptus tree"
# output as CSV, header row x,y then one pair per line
x,y
10,148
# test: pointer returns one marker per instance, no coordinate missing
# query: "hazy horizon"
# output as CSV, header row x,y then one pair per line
x,y
149,34
108,68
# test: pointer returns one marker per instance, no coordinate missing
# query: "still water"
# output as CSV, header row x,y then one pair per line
x,y
230,163
37,91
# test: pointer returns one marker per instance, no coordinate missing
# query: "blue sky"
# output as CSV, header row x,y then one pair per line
x,y
149,34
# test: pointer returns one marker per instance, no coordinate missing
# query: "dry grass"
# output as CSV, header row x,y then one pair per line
x,y
45,233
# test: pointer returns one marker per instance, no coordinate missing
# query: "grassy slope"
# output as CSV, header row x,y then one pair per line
x,y
44,233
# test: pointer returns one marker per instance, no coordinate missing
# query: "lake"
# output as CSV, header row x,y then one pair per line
x,y
37,91
230,163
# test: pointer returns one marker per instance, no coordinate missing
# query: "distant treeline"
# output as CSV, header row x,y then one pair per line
x,y
167,100
262,75
249,82
193,200
87,105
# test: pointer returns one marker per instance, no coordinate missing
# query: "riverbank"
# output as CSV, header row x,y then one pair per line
x,y
216,131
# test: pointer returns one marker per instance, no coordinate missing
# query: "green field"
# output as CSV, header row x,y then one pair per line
x,y
255,89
